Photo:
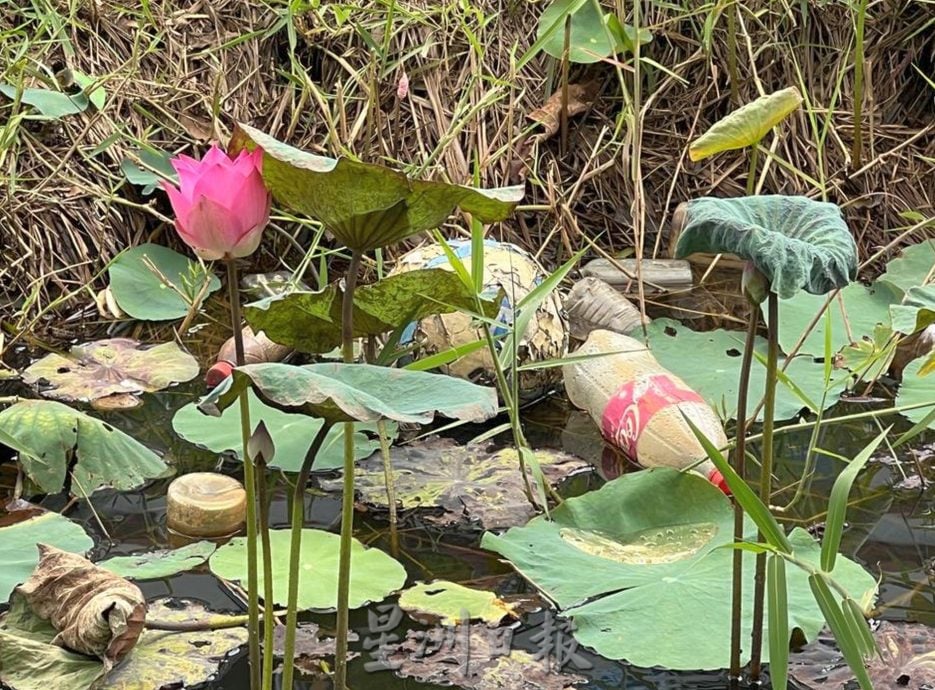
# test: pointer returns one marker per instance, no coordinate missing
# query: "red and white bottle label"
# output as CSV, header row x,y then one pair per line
x,y
633,404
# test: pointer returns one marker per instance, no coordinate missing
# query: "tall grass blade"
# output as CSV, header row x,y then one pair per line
x,y
844,633
778,610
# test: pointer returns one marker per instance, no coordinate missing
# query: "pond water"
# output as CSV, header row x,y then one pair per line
x,y
891,531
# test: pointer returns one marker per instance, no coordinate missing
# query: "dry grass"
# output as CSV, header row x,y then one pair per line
x,y
178,75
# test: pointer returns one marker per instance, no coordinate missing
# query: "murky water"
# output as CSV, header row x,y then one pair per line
x,y
891,531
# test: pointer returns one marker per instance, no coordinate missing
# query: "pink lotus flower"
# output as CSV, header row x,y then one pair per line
x,y
221,205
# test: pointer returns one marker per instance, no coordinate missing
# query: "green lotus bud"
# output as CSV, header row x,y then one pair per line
x,y
754,284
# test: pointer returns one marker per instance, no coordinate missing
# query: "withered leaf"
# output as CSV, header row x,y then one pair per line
x,y
94,611
580,98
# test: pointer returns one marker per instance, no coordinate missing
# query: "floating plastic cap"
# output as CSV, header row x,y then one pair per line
x,y
716,478
218,372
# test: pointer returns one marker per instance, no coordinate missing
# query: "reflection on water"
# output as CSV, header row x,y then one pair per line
x,y
890,532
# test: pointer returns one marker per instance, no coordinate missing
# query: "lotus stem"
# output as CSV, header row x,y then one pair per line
x,y
766,480
347,498
858,83
295,546
269,622
740,468
390,483
751,174
253,594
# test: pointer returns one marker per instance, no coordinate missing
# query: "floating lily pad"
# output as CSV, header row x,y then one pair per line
x,y
917,310
870,357
112,367
917,388
453,603
143,292
374,574
29,660
161,563
747,125
855,312
650,544
796,243
906,660
463,484
311,321
357,392
912,267
18,552
292,434
475,657
50,434
713,370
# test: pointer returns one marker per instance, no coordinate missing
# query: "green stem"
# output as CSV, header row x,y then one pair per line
x,y
740,461
858,83
390,482
766,480
751,174
295,546
269,622
347,499
253,599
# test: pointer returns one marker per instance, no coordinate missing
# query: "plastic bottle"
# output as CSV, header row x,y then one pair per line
x,y
257,348
639,405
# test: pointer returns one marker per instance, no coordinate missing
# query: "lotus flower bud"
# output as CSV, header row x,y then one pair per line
x,y
221,204
754,284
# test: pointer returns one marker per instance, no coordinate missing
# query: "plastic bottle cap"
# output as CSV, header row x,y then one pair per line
x,y
218,372
205,504
716,478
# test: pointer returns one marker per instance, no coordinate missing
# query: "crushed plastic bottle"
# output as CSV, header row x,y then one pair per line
x,y
639,405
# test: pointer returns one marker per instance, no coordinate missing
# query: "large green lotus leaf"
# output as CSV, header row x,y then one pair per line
x,y
49,104
855,311
917,388
109,367
311,321
457,484
18,552
713,369
588,41
292,434
796,242
141,291
453,603
357,392
917,310
51,433
912,267
747,125
651,545
29,660
364,205
374,574
161,563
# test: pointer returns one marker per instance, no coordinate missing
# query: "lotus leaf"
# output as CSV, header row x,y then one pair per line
x,y
292,434
870,357
912,267
713,370
464,483
144,293
651,543
357,392
29,660
112,367
374,574
311,321
18,542
747,125
589,40
474,657
49,104
162,563
454,603
855,312
52,434
906,660
310,646
917,388
364,205
795,242
917,310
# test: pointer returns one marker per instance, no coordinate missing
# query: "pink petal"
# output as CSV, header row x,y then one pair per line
x,y
214,230
251,203
219,184
180,204
216,156
247,244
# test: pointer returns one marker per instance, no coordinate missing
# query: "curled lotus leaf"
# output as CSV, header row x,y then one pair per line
x,y
364,205
112,367
917,388
53,439
796,242
357,393
747,125
654,546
